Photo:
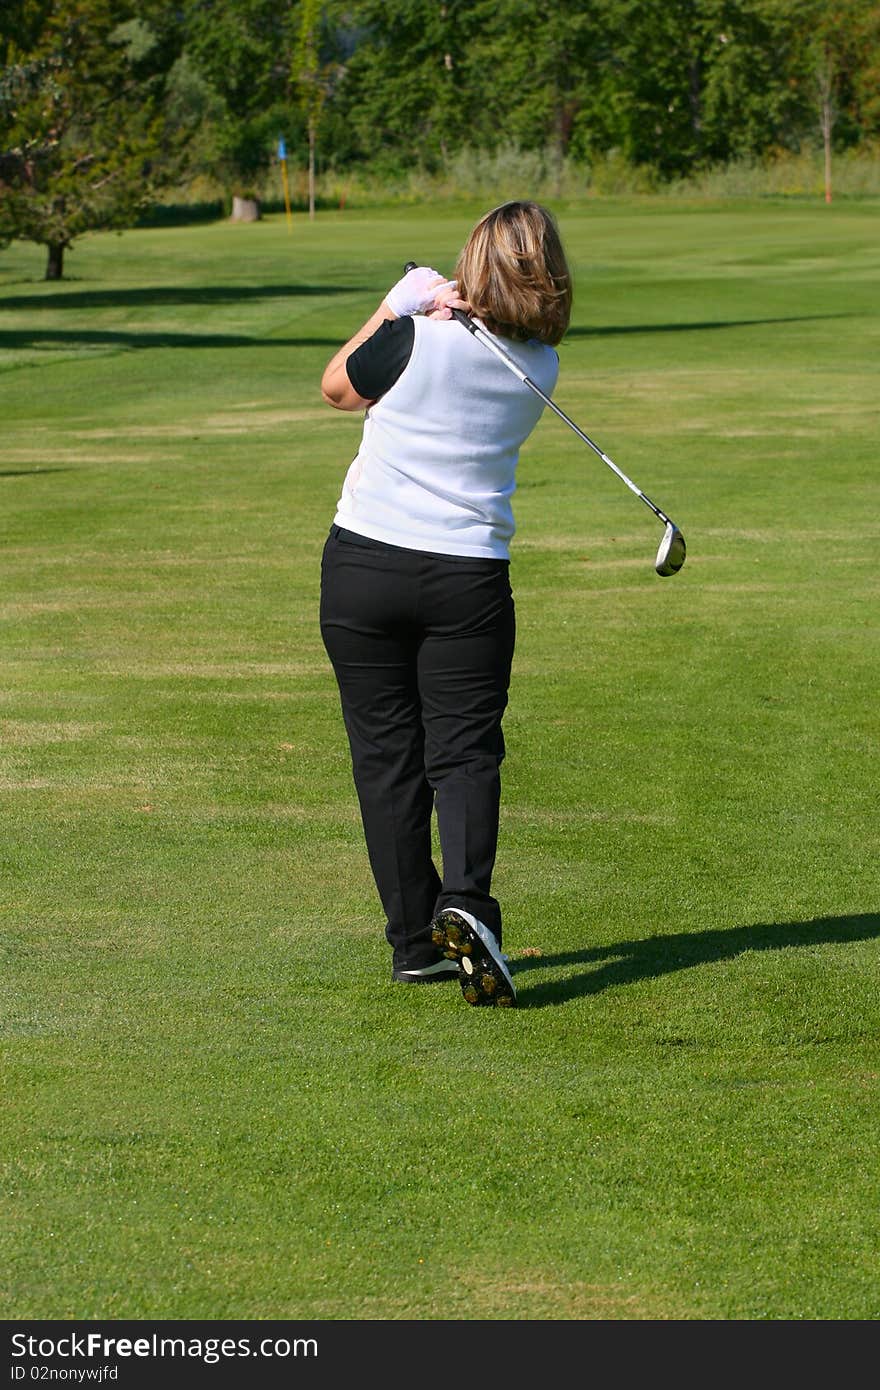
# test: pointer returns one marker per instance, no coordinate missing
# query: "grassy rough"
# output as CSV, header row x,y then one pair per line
x,y
217,1103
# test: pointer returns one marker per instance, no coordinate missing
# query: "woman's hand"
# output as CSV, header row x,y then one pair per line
x,y
446,299
421,287
416,292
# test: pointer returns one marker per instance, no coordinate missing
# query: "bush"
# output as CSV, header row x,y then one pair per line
x,y
474,175
854,173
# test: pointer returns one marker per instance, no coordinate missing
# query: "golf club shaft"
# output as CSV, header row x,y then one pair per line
x,y
467,322
499,352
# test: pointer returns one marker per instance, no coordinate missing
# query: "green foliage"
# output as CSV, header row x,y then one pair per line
x,y
695,83
677,87
314,74
241,52
82,121
837,61
605,93
310,82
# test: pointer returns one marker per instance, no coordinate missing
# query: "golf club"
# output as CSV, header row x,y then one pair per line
x,y
672,550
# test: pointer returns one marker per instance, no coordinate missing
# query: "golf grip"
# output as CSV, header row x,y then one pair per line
x,y
459,314
467,322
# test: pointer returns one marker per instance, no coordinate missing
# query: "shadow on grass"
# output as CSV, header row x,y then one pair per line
x,y
16,339
169,294
36,472
624,962
613,329
22,338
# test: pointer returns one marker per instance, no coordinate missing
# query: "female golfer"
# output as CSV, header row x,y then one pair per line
x,y
416,609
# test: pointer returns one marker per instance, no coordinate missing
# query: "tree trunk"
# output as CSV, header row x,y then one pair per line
x,y
566,110
245,209
311,171
696,105
55,260
825,79
827,126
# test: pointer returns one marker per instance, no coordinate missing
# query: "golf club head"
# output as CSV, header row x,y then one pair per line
x,y
670,556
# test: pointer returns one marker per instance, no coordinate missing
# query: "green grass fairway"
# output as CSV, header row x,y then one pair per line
x,y
216,1103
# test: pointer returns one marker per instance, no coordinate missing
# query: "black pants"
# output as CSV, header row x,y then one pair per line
x,y
421,646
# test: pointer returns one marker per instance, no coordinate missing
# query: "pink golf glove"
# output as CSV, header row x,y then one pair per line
x,y
416,291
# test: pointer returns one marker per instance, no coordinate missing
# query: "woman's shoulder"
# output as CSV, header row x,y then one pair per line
x,y
438,335
539,360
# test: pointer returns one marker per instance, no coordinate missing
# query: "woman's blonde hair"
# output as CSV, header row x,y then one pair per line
x,y
513,273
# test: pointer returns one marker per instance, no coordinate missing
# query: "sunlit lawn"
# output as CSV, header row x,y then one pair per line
x,y
216,1103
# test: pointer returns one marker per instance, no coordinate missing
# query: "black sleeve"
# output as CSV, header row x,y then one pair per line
x,y
374,367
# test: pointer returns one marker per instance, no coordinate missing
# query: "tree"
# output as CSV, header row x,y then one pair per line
x,y
243,50
669,86
80,101
661,92
825,74
313,77
839,46
546,73
405,92
752,105
307,79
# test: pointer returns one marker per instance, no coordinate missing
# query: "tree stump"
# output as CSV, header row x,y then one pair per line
x,y
245,210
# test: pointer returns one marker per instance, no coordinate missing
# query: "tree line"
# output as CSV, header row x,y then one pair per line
x,y
105,103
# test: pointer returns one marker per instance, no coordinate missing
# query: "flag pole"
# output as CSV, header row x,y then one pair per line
x,y
282,159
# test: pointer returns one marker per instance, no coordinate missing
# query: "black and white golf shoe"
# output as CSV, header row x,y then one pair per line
x,y
482,972
426,974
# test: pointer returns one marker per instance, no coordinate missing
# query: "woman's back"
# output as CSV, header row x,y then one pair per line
x,y
437,463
